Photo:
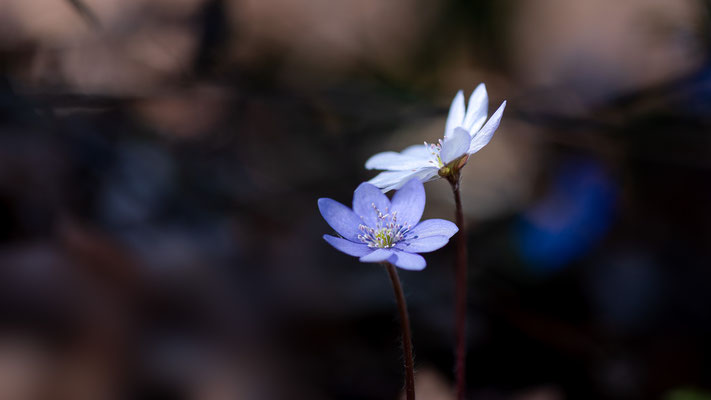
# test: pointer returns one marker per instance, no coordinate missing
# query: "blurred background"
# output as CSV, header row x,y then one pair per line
x,y
160,162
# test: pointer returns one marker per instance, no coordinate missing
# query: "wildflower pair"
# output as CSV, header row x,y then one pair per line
x,y
376,230
379,230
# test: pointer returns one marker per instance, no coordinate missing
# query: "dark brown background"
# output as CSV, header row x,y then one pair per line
x,y
160,163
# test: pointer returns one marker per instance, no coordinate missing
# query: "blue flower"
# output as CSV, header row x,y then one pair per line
x,y
465,133
379,230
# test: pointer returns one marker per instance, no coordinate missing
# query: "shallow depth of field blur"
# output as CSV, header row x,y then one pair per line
x,y
160,162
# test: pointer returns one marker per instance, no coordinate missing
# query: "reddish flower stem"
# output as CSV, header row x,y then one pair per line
x,y
460,293
406,333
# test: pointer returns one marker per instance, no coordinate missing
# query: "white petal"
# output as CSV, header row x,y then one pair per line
x,y
455,145
456,114
393,161
423,175
417,150
390,178
476,109
482,137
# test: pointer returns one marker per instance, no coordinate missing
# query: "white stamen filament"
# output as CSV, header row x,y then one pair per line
x,y
386,233
434,150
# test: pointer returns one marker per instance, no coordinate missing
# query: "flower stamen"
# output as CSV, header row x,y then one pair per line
x,y
434,150
386,233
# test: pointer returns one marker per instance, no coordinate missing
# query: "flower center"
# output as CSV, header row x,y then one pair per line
x,y
386,233
434,150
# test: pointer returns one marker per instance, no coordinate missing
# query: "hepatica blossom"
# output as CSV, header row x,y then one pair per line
x,y
465,133
380,230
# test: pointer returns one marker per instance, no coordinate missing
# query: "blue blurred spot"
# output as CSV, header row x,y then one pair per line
x,y
574,215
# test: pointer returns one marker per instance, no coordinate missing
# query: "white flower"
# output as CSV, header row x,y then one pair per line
x,y
465,133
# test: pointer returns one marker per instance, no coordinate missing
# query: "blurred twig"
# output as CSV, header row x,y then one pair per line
x,y
86,13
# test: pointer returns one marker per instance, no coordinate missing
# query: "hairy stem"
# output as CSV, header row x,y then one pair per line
x,y
460,293
406,333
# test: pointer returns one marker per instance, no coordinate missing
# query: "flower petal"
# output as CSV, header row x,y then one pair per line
x,y
348,247
378,255
366,199
341,218
476,109
409,261
423,175
433,227
390,180
409,202
423,244
417,150
455,145
393,161
482,137
456,114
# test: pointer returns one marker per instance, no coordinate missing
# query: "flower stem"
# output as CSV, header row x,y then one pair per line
x,y
460,293
406,334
